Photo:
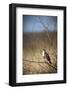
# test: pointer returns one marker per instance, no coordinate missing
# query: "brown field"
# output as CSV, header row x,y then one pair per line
x,y
33,62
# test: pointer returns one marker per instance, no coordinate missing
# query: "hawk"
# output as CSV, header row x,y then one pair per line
x,y
46,56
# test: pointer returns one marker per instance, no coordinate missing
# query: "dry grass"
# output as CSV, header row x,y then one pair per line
x,y
33,62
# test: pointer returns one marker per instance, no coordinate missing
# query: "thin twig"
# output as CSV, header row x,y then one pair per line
x,y
41,62
46,31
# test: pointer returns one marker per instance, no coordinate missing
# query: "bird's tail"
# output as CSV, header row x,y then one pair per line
x,y
50,62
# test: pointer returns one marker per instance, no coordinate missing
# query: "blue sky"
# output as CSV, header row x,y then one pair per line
x,y
31,23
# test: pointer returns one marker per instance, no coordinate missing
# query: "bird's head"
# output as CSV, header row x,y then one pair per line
x,y
44,50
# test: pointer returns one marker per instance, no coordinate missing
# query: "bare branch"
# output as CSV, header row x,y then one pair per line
x,y
41,62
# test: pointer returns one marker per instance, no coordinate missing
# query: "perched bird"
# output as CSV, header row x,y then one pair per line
x,y
46,56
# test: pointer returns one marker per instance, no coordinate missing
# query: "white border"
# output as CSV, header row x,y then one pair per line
x,y
19,34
